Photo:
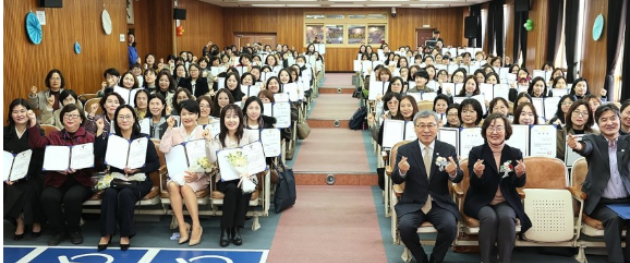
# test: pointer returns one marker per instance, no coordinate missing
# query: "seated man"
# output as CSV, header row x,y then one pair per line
x,y
608,177
426,166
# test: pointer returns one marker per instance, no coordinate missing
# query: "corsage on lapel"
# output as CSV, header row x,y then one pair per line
x,y
441,162
506,168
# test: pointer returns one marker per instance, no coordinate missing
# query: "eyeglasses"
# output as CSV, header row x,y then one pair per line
x,y
19,111
496,129
71,116
581,113
423,126
125,117
204,106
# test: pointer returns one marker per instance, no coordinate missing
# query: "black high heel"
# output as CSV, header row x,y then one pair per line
x,y
17,237
102,247
125,247
36,234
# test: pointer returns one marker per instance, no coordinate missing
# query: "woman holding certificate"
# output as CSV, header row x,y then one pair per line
x,y
235,202
109,103
578,121
23,186
65,190
496,171
118,203
192,182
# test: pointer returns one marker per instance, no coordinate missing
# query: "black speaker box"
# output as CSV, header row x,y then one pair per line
x,y
521,5
470,27
179,14
50,3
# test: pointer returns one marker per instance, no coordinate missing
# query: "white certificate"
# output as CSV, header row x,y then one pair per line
x,y
520,138
214,127
571,156
270,139
195,150
255,161
56,158
482,101
16,167
393,132
377,88
281,97
357,66
250,90
458,88
267,75
539,105
429,96
469,138
450,136
487,90
559,92
82,156
551,106
448,89
137,153
145,126
176,162
221,82
117,151
502,91
282,112
543,141
410,131
267,109
292,90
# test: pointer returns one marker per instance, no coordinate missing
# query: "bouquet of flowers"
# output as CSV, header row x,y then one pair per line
x,y
441,162
202,165
103,182
239,164
506,168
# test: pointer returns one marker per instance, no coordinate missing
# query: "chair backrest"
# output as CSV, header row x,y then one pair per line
x,y
85,97
163,180
465,183
425,105
545,172
90,102
155,176
392,156
578,172
48,129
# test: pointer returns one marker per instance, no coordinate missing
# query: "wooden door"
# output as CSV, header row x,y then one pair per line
x,y
242,39
423,34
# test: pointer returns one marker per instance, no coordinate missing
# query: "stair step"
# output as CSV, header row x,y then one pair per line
x,y
316,123
341,178
336,90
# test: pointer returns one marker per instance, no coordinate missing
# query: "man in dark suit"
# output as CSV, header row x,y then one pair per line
x,y
427,165
608,178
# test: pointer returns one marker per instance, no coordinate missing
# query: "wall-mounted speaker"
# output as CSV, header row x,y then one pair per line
x,y
179,14
50,3
521,6
470,26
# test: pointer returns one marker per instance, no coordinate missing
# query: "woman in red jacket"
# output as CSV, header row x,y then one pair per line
x,y
69,188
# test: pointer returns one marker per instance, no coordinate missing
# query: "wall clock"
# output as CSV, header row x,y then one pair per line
x,y
107,22
33,28
598,27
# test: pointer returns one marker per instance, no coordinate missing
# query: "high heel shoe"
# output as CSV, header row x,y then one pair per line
x,y
102,247
36,234
236,236
17,237
224,240
196,239
184,239
124,247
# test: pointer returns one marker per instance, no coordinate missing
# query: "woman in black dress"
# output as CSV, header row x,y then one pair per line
x,y
21,197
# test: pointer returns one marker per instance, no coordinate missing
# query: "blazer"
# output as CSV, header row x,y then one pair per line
x,y
201,86
53,178
40,101
215,145
482,190
595,150
418,186
175,136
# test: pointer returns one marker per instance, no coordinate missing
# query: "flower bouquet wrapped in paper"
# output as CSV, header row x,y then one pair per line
x,y
239,164
202,165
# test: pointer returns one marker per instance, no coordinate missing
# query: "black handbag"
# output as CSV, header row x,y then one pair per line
x,y
122,184
285,190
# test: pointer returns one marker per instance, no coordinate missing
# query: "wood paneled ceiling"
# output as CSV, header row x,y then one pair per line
x,y
344,3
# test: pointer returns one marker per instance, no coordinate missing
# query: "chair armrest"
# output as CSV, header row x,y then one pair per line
x,y
577,193
457,190
388,170
398,189
521,193
384,155
162,169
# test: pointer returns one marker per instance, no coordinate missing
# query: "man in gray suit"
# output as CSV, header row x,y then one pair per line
x,y
608,178
427,166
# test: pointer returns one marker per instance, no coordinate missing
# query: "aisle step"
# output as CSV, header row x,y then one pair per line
x,y
317,123
341,178
337,90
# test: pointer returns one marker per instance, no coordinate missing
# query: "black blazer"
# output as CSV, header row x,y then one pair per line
x,y
482,190
417,186
201,86
595,151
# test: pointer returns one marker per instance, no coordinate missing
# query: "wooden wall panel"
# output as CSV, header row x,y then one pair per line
x,y
153,23
26,64
537,38
288,23
594,56
508,14
204,22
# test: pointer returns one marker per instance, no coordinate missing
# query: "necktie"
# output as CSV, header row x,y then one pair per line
x,y
427,166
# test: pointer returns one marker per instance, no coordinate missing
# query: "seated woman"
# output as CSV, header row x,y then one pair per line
x,y
537,88
235,202
181,94
140,102
118,204
421,78
440,106
55,84
396,85
563,109
166,87
233,85
525,114
22,196
50,116
470,88
492,197
594,102
64,192
501,106
222,99
196,83
470,113
452,116
194,181
205,109
157,116
579,121
109,103
559,83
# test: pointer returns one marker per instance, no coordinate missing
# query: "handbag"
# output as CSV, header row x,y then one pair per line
x,y
247,184
303,130
285,195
